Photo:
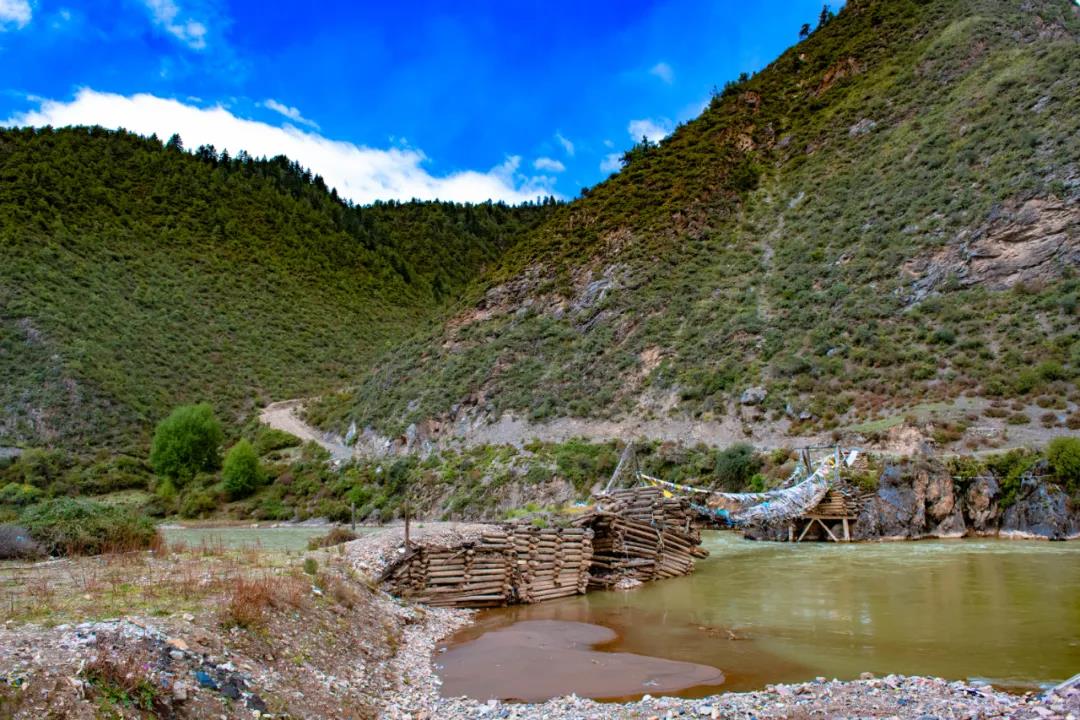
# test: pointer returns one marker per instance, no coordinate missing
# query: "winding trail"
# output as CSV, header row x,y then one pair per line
x,y
284,416
767,435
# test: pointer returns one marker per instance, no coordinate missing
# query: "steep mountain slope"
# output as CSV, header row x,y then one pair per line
x,y
888,215
136,276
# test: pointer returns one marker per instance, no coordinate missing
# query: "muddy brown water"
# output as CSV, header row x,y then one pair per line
x,y
1006,612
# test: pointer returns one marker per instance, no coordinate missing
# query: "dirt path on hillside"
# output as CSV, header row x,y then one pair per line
x,y
284,416
516,431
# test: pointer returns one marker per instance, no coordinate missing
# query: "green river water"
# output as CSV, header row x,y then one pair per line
x,y
1007,612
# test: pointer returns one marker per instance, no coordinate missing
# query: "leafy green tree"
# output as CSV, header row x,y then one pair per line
x,y
1064,456
186,443
241,473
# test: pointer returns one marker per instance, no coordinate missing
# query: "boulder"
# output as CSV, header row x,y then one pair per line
x,y
753,396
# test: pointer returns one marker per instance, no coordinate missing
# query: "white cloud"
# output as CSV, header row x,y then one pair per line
x,y
663,71
612,162
289,112
567,146
167,15
15,13
655,130
359,173
548,164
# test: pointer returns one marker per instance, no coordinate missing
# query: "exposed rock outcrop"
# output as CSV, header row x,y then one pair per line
x,y
920,499
1042,511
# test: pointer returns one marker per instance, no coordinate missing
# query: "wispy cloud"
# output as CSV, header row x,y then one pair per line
x,y
359,173
548,165
167,15
654,129
567,146
15,14
612,162
288,111
663,71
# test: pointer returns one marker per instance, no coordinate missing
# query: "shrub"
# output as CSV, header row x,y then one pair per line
x,y
736,465
68,526
270,439
197,503
19,494
242,473
123,683
186,443
1063,454
16,544
336,536
1051,371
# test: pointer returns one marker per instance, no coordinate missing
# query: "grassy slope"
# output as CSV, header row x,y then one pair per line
x,y
136,277
763,242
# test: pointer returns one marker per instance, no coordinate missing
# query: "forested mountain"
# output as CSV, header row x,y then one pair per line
x,y
136,276
887,215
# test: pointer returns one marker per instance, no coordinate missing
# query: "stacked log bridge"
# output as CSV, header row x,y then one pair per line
x,y
505,565
639,534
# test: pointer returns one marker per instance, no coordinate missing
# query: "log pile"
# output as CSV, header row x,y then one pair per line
x,y
551,562
638,534
507,564
841,501
477,574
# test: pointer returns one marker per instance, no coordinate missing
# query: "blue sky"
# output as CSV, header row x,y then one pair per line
x,y
392,99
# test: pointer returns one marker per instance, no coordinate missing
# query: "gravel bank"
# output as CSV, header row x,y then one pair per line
x,y
374,552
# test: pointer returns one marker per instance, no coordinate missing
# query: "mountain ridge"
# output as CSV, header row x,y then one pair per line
x,y
832,231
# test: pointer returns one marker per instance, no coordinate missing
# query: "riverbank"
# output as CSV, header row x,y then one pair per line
x,y
891,696
243,633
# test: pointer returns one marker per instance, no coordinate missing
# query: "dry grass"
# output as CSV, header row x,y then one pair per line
x,y
249,600
169,580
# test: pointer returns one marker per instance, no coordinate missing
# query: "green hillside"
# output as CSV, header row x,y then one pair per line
x,y
887,215
136,277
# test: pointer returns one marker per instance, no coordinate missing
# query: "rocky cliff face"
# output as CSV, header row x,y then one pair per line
x,y
920,499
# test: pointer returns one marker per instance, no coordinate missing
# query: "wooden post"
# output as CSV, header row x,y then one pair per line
x,y
406,524
847,531
791,531
352,520
805,530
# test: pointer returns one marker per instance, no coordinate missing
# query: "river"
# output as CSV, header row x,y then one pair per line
x,y
1007,612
